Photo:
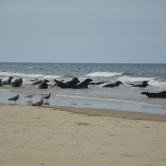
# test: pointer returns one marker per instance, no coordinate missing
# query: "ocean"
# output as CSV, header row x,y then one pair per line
x,y
124,97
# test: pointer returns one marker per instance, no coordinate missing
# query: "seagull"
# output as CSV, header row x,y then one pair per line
x,y
15,98
46,97
39,103
29,96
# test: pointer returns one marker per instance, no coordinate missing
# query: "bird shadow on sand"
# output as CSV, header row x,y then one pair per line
x,y
46,103
29,102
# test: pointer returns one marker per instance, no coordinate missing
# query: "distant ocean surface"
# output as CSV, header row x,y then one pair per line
x,y
96,96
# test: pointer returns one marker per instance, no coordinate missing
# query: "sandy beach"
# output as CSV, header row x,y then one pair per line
x,y
57,136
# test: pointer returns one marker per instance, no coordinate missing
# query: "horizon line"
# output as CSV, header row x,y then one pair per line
x,y
93,62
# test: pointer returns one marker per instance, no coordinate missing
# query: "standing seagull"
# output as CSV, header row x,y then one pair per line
x,y
0,82
29,96
47,96
39,103
15,98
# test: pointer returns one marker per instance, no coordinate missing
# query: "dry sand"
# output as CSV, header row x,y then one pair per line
x,y
56,136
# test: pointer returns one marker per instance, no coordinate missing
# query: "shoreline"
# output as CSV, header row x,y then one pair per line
x,y
104,112
115,113
72,98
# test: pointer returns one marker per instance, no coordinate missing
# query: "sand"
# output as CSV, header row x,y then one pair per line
x,y
59,136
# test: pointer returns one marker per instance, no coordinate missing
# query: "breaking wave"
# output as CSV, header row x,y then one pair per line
x,y
128,79
46,76
103,74
158,83
161,83
123,77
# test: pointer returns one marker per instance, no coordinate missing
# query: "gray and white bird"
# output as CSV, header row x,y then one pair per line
x,y
29,96
15,98
47,96
39,103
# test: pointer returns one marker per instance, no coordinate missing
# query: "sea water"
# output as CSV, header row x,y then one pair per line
x,y
124,97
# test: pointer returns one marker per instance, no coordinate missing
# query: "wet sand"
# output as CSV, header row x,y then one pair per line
x,y
32,136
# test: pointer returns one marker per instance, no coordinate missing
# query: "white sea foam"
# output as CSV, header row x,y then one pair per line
x,y
151,81
21,74
128,79
158,83
52,76
45,76
103,74
30,68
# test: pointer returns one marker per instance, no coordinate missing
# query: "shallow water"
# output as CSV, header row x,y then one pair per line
x,y
88,98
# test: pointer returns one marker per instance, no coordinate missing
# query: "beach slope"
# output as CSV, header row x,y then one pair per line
x,y
33,136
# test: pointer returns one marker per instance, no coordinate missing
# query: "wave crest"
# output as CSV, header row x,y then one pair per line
x,y
103,74
159,83
46,76
128,79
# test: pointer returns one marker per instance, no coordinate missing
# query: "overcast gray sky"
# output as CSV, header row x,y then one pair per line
x,y
85,31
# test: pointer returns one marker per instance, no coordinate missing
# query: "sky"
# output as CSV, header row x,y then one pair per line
x,y
83,31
